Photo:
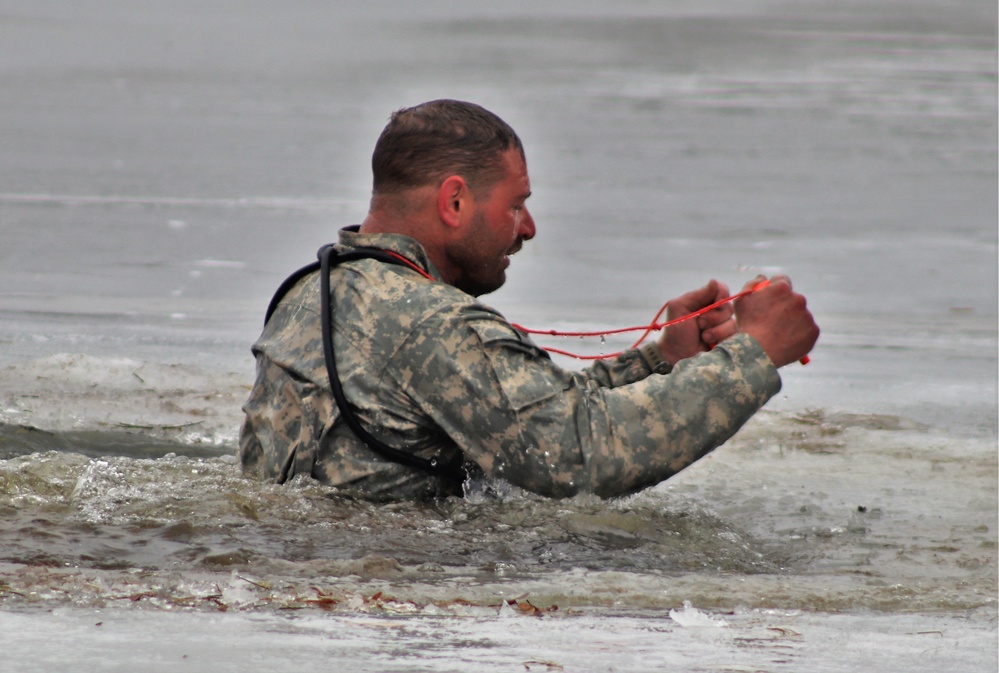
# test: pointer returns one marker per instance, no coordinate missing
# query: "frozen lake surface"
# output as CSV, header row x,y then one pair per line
x,y
164,167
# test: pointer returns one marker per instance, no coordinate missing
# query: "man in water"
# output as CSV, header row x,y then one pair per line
x,y
435,385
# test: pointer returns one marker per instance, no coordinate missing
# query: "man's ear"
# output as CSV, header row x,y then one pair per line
x,y
453,200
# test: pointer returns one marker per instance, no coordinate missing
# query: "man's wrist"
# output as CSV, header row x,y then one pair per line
x,y
654,359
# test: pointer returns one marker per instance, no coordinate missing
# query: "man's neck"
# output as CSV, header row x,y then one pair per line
x,y
387,217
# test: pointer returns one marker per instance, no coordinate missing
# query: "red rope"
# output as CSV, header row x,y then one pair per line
x,y
411,264
654,326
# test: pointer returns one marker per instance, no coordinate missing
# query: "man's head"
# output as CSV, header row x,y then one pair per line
x,y
453,176
424,144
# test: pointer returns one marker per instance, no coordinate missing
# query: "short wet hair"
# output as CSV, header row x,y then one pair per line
x,y
425,144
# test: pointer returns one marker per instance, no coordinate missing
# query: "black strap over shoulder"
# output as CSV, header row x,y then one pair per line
x,y
346,256
329,257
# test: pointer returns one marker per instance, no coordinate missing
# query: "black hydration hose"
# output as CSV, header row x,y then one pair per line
x,y
329,257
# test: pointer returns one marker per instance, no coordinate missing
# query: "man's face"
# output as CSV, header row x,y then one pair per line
x,y
500,223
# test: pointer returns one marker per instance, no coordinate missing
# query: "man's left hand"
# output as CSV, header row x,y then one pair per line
x,y
688,338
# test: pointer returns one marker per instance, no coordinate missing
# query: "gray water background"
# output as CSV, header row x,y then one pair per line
x,y
164,166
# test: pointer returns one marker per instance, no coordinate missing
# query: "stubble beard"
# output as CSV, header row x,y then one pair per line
x,y
482,269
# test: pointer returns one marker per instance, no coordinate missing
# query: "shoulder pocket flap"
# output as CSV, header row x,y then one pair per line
x,y
526,376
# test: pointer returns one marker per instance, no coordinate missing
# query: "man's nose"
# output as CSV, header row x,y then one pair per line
x,y
527,229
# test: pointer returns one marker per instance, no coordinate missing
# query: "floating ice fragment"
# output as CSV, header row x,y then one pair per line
x,y
506,610
239,591
219,264
691,616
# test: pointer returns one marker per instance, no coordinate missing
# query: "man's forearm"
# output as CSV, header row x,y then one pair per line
x,y
657,427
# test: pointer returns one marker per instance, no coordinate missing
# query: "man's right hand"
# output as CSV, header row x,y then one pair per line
x,y
777,317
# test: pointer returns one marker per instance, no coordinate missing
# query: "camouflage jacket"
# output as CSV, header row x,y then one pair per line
x,y
431,370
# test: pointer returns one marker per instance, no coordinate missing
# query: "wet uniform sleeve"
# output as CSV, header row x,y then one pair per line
x,y
611,430
629,367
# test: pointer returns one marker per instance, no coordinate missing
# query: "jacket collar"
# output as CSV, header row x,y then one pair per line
x,y
406,246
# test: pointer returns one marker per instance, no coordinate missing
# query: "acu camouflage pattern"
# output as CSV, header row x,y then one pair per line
x,y
431,370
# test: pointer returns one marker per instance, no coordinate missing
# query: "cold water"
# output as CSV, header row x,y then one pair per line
x,y
164,166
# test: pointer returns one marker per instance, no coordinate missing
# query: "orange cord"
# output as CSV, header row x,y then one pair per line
x,y
654,326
